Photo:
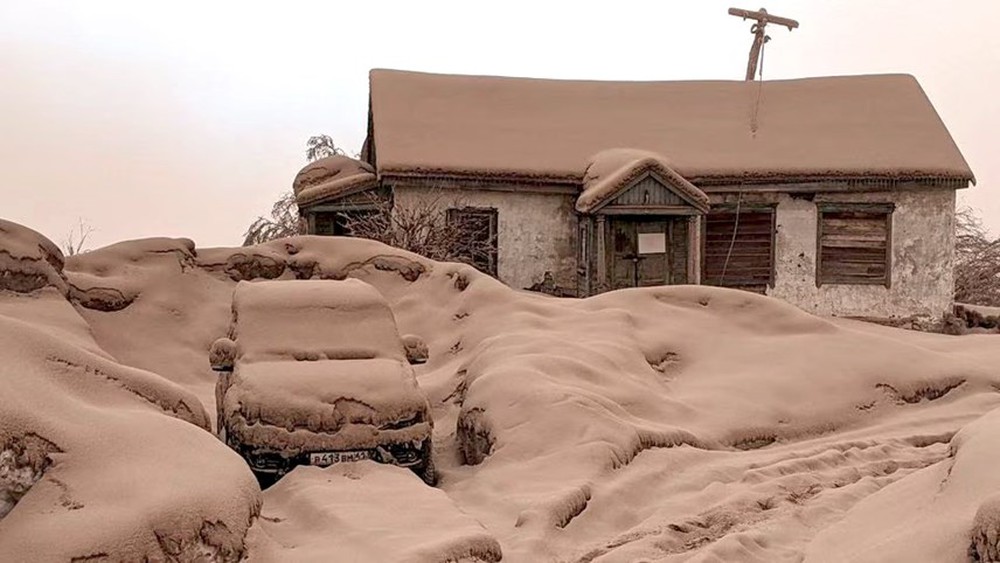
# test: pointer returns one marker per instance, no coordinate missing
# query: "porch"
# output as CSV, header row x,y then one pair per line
x,y
639,225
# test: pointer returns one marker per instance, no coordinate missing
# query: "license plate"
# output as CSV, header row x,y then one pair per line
x,y
329,458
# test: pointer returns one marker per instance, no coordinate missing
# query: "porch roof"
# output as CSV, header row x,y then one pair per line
x,y
611,171
332,177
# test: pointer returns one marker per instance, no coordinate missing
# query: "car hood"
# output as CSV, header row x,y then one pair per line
x,y
324,396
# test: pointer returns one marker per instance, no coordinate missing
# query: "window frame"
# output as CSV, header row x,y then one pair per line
x,y
886,209
493,259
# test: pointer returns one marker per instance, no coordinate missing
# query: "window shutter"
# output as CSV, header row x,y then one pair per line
x,y
746,260
854,244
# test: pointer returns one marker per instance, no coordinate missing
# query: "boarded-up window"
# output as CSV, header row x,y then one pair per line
x,y
854,244
739,248
477,244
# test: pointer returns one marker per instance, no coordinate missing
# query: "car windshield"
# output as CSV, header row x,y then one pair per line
x,y
314,320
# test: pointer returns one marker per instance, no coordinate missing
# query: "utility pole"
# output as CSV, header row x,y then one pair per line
x,y
763,18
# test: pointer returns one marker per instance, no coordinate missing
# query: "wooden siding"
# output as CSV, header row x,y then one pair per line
x,y
854,245
744,261
368,199
678,251
648,192
585,256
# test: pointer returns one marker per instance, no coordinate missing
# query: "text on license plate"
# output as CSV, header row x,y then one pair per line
x,y
329,458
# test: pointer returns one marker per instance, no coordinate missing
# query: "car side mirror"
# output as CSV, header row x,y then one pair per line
x,y
416,349
222,354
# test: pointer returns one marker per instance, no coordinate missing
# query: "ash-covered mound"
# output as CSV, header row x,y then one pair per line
x,y
28,260
666,423
99,460
364,517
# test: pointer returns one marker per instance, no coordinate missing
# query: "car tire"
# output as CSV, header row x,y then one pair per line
x,y
425,469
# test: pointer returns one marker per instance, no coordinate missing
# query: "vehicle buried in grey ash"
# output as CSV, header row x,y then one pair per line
x,y
314,372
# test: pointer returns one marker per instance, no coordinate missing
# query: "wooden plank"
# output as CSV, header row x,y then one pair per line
x,y
859,274
855,223
855,255
835,251
725,235
722,253
727,226
846,265
856,208
853,266
679,249
736,268
749,218
856,231
722,240
742,251
848,242
723,249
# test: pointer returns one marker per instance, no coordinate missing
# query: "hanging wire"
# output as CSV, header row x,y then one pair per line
x,y
760,87
732,241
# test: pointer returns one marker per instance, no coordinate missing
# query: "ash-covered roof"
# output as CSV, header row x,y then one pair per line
x,y
849,127
611,171
332,177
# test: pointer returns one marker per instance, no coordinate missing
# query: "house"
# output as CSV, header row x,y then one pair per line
x,y
836,194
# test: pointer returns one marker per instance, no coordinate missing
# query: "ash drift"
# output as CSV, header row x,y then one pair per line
x,y
662,424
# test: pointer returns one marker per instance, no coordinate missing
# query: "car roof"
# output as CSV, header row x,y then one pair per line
x,y
351,294
300,319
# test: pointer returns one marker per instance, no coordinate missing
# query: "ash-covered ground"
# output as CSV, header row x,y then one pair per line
x,y
679,423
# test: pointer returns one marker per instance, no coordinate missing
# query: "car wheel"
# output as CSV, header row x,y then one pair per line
x,y
425,469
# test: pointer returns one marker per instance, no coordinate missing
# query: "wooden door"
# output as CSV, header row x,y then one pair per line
x,y
647,252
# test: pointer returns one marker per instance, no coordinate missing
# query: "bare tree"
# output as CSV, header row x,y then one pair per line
x,y
977,261
74,241
428,228
283,222
320,146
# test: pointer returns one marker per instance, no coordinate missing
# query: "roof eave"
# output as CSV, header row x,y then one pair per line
x,y
749,180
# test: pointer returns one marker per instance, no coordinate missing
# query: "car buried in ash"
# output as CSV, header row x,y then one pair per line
x,y
314,372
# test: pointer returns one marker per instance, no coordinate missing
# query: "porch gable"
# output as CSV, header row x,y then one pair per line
x,y
634,182
649,194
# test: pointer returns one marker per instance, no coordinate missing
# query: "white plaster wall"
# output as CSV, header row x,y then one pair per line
x,y
922,256
536,232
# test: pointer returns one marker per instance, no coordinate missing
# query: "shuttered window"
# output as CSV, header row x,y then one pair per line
x,y
739,248
854,244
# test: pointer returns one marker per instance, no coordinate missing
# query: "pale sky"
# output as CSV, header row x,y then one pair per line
x,y
188,119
